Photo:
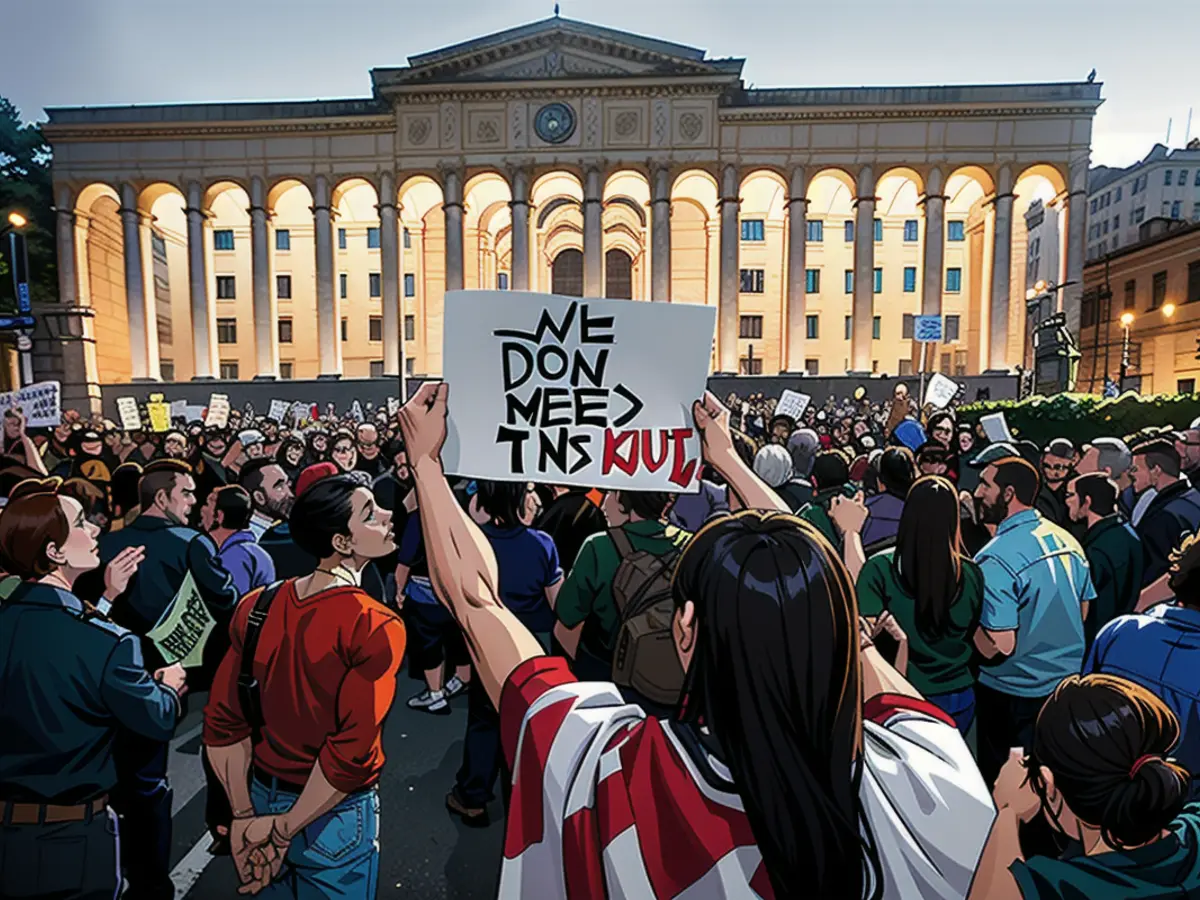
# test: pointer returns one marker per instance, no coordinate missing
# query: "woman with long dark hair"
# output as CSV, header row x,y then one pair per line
x,y
774,778
1101,774
927,583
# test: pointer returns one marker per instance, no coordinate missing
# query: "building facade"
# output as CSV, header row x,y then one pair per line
x,y
317,239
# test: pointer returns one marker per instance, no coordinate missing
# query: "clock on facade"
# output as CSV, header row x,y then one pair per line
x,y
554,123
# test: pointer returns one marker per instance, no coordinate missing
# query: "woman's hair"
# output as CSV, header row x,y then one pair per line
x,y
937,418
323,511
32,520
929,550
775,676
93,500
503,501
1185,571
1106,740
284,446
773,464
897,470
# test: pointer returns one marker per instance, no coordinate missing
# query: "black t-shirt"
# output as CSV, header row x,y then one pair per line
x,y
373,467
570,520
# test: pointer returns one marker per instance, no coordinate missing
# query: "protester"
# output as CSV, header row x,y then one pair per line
x,y
1111,456
343,453
574,515
227,516
830,477
896,476
1057,468
367,444
773,464
798,490
1174,511
271,493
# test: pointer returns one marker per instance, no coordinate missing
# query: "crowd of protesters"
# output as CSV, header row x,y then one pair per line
x,y
874,654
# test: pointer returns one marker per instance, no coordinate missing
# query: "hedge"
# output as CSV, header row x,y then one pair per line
x,y
1084,417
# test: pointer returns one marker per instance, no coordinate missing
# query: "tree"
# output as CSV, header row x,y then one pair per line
x,y
25,185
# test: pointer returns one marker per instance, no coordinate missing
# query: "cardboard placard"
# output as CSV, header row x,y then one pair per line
x,y
41,403
159,413
128,413
940,390
995,426
792,404
278,411
218,411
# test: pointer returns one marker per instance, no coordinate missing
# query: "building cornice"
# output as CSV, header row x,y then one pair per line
x,y
62,134
735,114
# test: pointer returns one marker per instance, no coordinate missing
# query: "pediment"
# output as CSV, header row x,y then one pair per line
x,y
556,61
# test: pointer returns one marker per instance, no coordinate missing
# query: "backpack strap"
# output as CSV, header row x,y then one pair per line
x,y
621,540
248,688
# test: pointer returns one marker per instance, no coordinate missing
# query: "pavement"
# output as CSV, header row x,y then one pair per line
x,y
425,852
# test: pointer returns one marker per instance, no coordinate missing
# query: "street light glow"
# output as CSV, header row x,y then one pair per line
x,y
1030,294
16,220
1168,310
1127,319
1039,285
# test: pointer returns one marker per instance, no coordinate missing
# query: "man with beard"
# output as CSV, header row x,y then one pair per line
x,y
1036,594
88,458
18,446
272,497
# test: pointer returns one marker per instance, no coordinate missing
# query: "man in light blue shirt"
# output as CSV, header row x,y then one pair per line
x,y
1036,590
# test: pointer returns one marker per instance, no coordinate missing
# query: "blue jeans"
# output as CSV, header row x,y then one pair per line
x,y
958,705
337,856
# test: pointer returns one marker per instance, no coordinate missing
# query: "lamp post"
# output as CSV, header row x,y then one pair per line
x,y
1126,322
19,259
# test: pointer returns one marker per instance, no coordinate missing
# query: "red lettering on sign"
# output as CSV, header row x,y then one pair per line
x,y
612,447
652,464
681,472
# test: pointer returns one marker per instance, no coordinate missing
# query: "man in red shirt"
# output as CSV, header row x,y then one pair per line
x,y
325,666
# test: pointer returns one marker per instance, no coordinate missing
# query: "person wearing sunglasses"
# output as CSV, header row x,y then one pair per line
x,y
1057,467
1101,774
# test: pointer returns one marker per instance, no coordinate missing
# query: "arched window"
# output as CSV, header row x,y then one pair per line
x,y
567,275
618,275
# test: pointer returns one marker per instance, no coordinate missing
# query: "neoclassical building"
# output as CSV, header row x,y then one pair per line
x,y
317,239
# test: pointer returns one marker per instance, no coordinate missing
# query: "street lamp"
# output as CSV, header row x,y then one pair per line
x,y
1168,310
19,262
1126,322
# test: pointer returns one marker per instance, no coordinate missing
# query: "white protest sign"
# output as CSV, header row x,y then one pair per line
x,y
248,411
356,412
127,411
940,390
184,628
41,403
792,404
279,410
218,411
193,412
178,409
575,392
393,406
995,426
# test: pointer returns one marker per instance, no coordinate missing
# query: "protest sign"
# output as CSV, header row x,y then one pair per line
x,y
248,413
183,629
218,411
178,409
159,413
356,412
130,416
941,390
279,410
574,392
41,403
995,426
792,404
393,406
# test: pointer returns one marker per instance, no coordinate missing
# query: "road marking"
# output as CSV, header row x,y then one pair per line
x,y
185,875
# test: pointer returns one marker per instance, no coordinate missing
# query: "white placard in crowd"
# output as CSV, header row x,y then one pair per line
x,y
393,406
41,403
940,390
995,426
356,412
792,404
566,391
193,413
179,409
218,411
278,411
128,413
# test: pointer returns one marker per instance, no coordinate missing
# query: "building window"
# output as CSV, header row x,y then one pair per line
x,y
502,281
1104,228
345,329
876,325
1175,210
879,281
816,230
410,284
618,275
166,368
407,239
226,287
1117,196
1092,206
960,362
908,328
1158,292
953,280
410,366
751,365
1116,222
848,227
377,368
1185,386
910,279
566,275
341,238
910,231
878,230
372,238
286,370
849,279
752,230
1196,211
284,329
283,239
229,370
812,281
905,367
376,284
1139,215
1167,177
812,367
750,326
956,230
751,281
283,287
812,325
375,328
223,239
849,327
226,331
1193,283
1196,180
410,328
343,284
951,329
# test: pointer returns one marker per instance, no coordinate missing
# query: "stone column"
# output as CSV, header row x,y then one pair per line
x,y
727,305
796,280
68,273
453,205
935,245
864,272
329,320
203,313
390,272
266,334
1001,272
520,229
593,236
660,234
139,310
1072,295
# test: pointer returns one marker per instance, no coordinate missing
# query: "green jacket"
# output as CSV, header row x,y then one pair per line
x,y
1114,554
817,514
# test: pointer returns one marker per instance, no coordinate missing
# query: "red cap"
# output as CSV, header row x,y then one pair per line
x,y
313,474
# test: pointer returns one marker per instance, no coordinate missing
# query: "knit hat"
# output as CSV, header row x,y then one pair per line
x,y
313,474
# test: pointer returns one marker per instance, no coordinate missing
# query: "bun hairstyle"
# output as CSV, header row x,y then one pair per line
x,y
1107,742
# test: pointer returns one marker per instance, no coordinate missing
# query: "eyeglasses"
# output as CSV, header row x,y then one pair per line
x,y
1056,467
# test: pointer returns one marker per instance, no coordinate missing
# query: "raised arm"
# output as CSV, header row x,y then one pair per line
x,y
712,421
462,565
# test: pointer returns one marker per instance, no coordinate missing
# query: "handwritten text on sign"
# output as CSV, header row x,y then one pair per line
x,y
572,391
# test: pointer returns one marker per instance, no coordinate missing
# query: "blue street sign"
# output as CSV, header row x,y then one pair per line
x,y
23,297
927,329
10,323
